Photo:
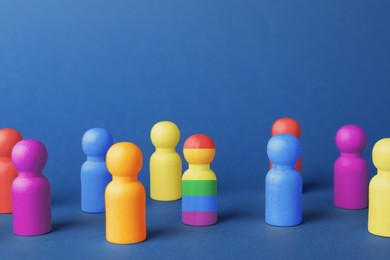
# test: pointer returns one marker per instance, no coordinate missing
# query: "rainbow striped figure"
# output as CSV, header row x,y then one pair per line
x,y
199,183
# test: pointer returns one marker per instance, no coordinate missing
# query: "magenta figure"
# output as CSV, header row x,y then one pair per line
x,y
350,169
30,190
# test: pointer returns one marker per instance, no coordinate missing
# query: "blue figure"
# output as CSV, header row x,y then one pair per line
x,y
283,183
94,173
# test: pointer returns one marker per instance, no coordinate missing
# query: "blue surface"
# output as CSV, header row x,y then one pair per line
x,y
224,68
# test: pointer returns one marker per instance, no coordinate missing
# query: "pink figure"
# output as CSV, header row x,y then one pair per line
x,y
350,169
30,190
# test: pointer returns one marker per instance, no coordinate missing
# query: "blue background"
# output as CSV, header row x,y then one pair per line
x,y
220,67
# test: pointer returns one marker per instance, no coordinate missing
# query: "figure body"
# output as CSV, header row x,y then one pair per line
x,y
165,163
8,138
283,183
94,174
30,190
350,169
125,196
199,183
379,191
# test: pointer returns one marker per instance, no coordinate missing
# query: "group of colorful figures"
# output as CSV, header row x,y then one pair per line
x,y
122,197
351,189
109,180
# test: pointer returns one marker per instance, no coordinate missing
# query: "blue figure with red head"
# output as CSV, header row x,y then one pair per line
x,y
283,183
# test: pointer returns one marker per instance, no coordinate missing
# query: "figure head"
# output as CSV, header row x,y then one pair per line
x,y
199,149
284,149
124,159
8,138
286,125
381,154
29,155
351,139
96,142
165,134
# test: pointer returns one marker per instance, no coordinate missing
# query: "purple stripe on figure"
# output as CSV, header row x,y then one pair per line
x,y
199,218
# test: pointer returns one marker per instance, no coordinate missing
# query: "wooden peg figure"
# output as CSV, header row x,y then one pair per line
x,y
379,191
290,126
125,195
199,183
94,174
165,162
30,190
350,173
283,183
8,138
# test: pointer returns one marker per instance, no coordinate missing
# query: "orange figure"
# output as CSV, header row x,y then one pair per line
x,y
287,126
8,138
125,196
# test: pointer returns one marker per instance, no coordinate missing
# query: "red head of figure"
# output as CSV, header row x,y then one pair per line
x,y
286,126
290,126
8,138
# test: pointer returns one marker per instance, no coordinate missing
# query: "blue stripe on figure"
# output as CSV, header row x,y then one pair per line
x,y
283,183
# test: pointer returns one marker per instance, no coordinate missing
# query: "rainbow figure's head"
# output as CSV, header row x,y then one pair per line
x,y
199,149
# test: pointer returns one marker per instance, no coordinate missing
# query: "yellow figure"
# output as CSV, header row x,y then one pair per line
x,y
379,191
165,162
125,195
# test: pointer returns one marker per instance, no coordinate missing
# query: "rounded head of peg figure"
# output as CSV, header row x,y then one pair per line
x,y
96,142
381,154
29,155
199,149
286,125
8,138
284,149
124,159
351,139
165,134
